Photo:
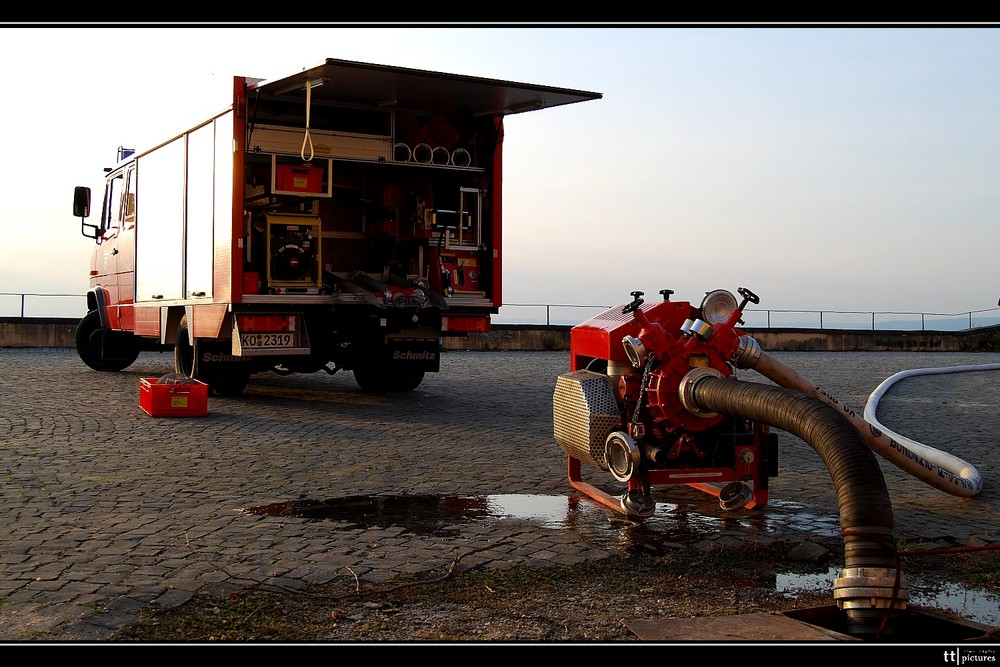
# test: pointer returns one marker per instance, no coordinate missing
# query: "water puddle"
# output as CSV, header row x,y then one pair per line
x,y
671,525
442,515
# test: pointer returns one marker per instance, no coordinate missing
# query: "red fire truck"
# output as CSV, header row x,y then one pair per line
x,y
345,217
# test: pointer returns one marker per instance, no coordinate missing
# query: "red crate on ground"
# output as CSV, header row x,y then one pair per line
x,y
173,399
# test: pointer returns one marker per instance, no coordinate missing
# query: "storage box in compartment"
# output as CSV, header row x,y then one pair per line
x,y
304,178
189,399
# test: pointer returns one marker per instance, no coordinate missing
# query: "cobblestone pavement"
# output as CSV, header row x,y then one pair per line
x,y
106,509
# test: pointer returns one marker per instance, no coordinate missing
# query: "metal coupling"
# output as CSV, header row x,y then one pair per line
x,y
735,495
868,594
622,454
746,354
685,390
637,505
701,329
635,349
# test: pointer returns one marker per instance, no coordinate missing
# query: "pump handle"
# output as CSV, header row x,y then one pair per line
x,y
634,305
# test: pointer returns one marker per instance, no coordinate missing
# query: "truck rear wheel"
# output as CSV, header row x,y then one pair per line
x,y
184,352
93,343
374,378
228,382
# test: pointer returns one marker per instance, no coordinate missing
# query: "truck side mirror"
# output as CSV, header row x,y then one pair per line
x,y
81,209
81,202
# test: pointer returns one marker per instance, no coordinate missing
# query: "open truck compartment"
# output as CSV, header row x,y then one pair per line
x,y
400,171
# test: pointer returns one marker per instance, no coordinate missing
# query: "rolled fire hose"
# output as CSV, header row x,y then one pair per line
x,y
401,152
422,153
440,155
461,158
942,471
871,585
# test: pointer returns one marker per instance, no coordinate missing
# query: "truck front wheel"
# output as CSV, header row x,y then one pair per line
x,y
104,350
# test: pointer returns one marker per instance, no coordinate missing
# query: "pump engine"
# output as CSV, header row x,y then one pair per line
x,y
626,406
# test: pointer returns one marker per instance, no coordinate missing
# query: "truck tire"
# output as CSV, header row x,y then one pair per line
x,y
184,352
91,343
229,383
405,380
379,379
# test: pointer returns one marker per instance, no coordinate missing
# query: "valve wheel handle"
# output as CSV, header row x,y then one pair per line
x,y
748,296
636,302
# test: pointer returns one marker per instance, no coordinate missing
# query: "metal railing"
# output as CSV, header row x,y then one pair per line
x,y
37,305
569,314
42,305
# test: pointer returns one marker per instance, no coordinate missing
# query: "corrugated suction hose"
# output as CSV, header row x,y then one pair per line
x,y
870,588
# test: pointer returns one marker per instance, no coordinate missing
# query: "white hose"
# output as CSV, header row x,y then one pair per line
x,y
944,472
936,456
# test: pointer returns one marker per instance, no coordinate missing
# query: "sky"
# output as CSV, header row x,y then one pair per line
x,y
836,167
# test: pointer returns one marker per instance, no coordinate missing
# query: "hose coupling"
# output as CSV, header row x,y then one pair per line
x,y
747,353
867,594
622,454
637,505
686,390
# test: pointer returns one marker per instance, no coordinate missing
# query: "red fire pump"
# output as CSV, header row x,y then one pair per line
x,y
626,406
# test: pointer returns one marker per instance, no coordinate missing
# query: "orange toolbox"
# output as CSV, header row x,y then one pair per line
x,y
169,396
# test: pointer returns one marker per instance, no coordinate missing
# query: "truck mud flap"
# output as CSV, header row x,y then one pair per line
x,y
216,356
417,355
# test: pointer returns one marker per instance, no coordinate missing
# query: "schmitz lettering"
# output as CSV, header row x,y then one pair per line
x,y
217,357
400,355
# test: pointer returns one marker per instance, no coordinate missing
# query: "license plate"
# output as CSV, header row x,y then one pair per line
x,y
268,341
